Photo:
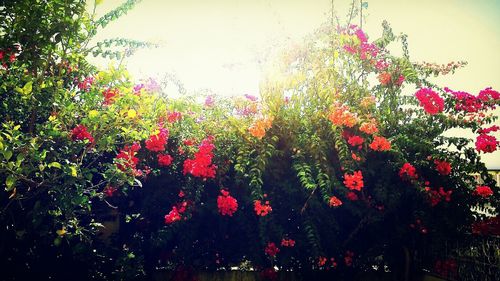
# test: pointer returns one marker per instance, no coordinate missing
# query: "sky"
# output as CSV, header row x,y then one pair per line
x,y
219,45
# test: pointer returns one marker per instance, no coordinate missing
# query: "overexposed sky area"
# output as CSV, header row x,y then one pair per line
x,y
219,45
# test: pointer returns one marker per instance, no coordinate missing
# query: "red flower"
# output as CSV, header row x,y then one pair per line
x,y
201,166
271,249
355,140
164,160
174,116
127,159
483,191
110,96
354,181
188,142
226,204
430,100
110,190
262,209
334,202
157,142
287,242
486,143
322,261
443,167
408,170
80,133
380,144
348,258
352,196
172,216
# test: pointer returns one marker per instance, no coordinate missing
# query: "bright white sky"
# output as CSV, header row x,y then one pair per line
x,y
219,44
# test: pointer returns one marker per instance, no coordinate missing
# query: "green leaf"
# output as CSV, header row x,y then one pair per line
x,y
28,88
54,165
9,182
7,154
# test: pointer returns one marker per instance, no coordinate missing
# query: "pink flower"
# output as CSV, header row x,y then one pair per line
x,y
209,101
80,133
430,100
486,143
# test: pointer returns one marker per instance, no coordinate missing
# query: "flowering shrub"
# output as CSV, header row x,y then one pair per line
x,y
321,161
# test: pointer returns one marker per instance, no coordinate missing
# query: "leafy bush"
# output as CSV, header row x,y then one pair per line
x,y
334,167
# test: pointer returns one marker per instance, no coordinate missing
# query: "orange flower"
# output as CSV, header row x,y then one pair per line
x,y
380,144
384,78
334,202
259,127
367,101
369,127
341,116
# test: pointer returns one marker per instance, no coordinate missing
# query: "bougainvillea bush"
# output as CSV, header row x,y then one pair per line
x,y
340,165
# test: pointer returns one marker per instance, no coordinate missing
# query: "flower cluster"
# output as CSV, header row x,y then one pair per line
x,y
418,225
226,204
436,196
110,96
430,101
174,116
126,158
354,181
341,116
176,213
485,142
262,209
86,84
109,190
271,249
8,56
260,126
358,43
352,196
172,216
348,258
408,170
369,127
380,144
201,166
334,202
80,133
287,242
157,141
165,160
443,167
385,78
483,191
356,141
